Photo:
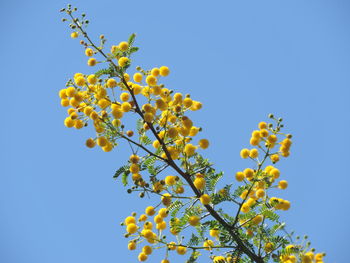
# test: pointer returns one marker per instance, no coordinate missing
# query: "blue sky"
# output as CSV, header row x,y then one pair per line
x,y
242,59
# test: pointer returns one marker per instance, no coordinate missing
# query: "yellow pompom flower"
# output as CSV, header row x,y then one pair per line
x,y
166,199
275,158
244,153
69,122
65,102
204,143
254,141
248,173
90,143
260,193
163,212
205,199
134,168
181,250
262,125
285,205
214,232
124,96
239,176
187,102
264,133
126,107
150,211
123,46
155,72
143,217
151,80
123,61
131,228
102,141
92,62
130,219
103,103
142,257
190,149
137,77
158,219
161,225
208,244
245,208
148,116
147,250
132,245
89,52
164,71
170,180
199,183
283,184
194,220
74,35
92,79
165,261
111,83
253,153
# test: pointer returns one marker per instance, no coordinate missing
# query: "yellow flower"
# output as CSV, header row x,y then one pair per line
x,y
132,245
253,153
214,232
244,153
199,183
111,83
123,46
239,176
92,62
181,250
151,80
142,257
130,219
262,125
205,199
123,61
137,77
170,180
131,228
102,141
80,81
164,71
92,79
74,35
124,96
187,102
190,149
150,210
208,244
283,184
193,220
89,52
204,143
155,72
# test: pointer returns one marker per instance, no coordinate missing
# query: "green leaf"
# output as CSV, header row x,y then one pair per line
x,y
133,50
175,207
125,178
194,241
121,170
145,140
131,39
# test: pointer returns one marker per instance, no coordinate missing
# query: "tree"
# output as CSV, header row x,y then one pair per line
x,y
191,208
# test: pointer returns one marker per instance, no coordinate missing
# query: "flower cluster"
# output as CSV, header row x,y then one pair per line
x,y
190,215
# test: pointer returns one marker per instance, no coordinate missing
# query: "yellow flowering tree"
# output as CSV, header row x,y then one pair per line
x,y
191,217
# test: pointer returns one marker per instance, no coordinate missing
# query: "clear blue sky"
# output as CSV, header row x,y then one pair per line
x,y
242,59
